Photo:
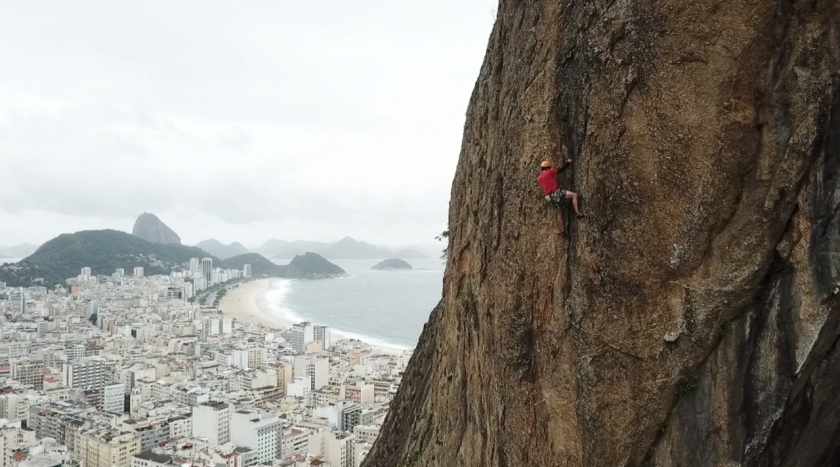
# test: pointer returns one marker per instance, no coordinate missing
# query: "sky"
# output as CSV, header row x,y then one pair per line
x,y
235,120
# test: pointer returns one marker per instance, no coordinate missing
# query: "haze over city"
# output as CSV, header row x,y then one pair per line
x,y
237,121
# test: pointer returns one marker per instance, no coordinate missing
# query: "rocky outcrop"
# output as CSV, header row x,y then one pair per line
x,y
150,228
692,318
312,266
393,264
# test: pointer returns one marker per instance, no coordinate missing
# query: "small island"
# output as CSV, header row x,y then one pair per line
x,y
392,264
312,266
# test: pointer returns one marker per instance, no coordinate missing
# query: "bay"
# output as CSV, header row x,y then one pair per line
x,y
380,307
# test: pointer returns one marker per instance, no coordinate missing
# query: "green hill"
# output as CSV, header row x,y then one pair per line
x,y
260,265
312,266
103,251
106,250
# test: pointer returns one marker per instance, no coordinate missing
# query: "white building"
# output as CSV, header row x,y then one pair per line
x,y
300,335
366,433
252,357
259,432
85,276
113,398
180,427
339,449
212,421
195,266
87,373
120,272
138,271
247,271
314,366
322,335
299,387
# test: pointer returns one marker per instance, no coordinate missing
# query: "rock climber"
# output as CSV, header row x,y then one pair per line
x,y
553,193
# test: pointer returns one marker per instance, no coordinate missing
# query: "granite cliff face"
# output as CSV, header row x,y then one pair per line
x,y
150,228
693,318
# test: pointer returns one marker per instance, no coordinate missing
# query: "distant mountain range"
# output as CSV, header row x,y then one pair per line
x,y
219,249
106,250
18,251
346,248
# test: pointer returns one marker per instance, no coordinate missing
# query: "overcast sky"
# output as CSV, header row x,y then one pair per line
x,y
237,120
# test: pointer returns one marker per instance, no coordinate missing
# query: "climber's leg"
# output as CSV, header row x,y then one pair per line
x,y
574,197
560,220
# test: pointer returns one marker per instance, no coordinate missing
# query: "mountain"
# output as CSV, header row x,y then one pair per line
x,y
284,249
346,248
150,228
393,264
101,250
693,317
260,265
17,251
219,249
312,266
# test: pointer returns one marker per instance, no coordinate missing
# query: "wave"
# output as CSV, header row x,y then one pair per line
x,y
280,288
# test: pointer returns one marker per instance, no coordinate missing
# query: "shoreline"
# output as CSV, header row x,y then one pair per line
x,y
249,303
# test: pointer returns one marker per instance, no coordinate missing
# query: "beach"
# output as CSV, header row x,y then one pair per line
x,y
248,304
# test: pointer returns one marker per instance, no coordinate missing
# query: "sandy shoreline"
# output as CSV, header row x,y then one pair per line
x,y
247,303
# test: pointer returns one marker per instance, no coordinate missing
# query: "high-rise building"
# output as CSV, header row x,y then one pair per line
x,y
29,374
301,334
91,309
85,274
260,432
151,431
338,449
41,328
212,421
138,271
314,366
322,335
87,373
17,302
349,415
246,271
207,270
106,447
195,266
75,352
113,398
120,272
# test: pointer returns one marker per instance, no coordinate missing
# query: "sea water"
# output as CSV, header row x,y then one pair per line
x,y
379,307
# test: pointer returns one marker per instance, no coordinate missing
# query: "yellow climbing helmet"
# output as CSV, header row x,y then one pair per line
x,y
545,164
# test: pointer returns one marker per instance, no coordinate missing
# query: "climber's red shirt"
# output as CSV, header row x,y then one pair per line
x,y
547,181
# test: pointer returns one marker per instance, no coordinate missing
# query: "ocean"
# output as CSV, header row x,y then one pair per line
x,y
379,307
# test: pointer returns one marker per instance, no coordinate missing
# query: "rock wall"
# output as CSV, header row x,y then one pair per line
x,y
692,318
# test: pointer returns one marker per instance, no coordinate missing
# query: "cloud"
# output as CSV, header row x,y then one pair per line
x,y
241,121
